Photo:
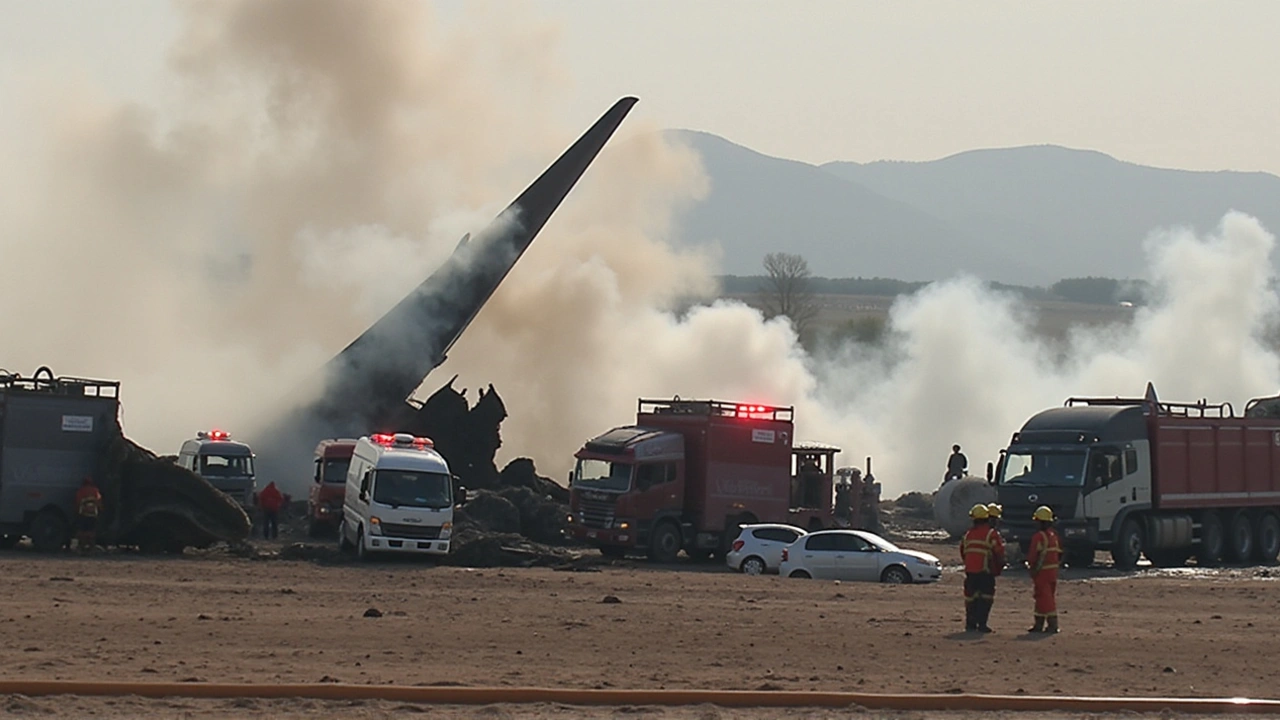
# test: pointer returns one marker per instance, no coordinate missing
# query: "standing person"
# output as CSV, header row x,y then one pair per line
x,y
957,465
1043,557
270,500
982,550
88,507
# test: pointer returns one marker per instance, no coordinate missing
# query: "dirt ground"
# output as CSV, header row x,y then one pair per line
x,y
220,618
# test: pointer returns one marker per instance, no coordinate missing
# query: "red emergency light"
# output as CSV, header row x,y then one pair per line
x,y
215,435
389,440
756,412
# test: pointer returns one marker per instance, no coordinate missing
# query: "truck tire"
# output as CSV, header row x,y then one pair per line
x,y
1127,549
664,545
1212,540
49,532
1266,547
1240,543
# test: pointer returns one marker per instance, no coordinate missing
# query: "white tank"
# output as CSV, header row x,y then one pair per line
x,y
952,502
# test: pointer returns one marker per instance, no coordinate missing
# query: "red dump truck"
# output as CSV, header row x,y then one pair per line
x,y
1138,476
690,472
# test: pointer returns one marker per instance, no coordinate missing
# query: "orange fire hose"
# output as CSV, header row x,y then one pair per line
x,y
724,698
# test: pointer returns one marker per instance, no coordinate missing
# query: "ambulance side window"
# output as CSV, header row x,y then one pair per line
x,y
364,484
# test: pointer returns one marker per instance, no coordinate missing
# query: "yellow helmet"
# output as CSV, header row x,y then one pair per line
x,y
994,510
979,512
1043,514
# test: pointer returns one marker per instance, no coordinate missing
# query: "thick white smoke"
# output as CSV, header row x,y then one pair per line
x,y
964,365
215,251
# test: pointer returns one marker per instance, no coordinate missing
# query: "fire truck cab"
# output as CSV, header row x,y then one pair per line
x,y
328,487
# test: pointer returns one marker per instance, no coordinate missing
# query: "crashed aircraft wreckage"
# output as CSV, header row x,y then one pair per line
x,y
367,386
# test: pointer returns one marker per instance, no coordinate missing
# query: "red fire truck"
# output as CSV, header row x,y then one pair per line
x,y
690,472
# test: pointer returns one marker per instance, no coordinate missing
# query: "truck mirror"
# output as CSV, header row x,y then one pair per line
x,y
569,481
461,496
991,472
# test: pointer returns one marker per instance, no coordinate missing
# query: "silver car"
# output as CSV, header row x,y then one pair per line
x,y
758,548
856,555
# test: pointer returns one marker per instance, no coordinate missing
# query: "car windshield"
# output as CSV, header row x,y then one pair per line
x,y
1063,468
602,475
335,471
222,466
405,488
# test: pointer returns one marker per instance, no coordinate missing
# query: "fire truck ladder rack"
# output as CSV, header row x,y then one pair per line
x,y
717,408
44,381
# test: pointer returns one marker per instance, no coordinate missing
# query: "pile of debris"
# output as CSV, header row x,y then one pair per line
x,y
153,504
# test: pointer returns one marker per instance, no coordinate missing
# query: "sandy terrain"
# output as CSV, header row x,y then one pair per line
x,y
215,618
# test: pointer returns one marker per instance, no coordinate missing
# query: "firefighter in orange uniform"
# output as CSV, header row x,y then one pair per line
x,y
88,506
982,550
1043,558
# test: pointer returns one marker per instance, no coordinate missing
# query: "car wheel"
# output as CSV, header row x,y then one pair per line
x,y
895,575
753,566
802,574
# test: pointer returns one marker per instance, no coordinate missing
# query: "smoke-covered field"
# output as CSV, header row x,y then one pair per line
x,y
212,248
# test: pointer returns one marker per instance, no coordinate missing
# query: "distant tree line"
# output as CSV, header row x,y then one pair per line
x,y
1095,290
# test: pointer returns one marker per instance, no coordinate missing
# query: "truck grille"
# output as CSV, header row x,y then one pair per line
x,y
418,532
596,513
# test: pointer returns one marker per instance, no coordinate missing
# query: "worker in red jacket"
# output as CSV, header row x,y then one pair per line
x,y
1043,557
982,550
270,500
88,507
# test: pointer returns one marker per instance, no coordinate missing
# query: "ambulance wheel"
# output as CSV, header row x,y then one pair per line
x,y
1266,547
362,554
49,532
1212,540
664,546
1241,537
1128,548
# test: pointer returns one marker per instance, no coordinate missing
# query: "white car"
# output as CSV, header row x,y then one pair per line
x,y
759,546
856,555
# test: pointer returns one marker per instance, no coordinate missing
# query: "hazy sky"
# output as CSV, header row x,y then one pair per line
x,y
1176,84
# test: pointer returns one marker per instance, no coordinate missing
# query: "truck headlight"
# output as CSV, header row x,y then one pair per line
x,y
375,525
446,530
624,525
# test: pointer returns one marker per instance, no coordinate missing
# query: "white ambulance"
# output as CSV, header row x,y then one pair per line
x,y
399,497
